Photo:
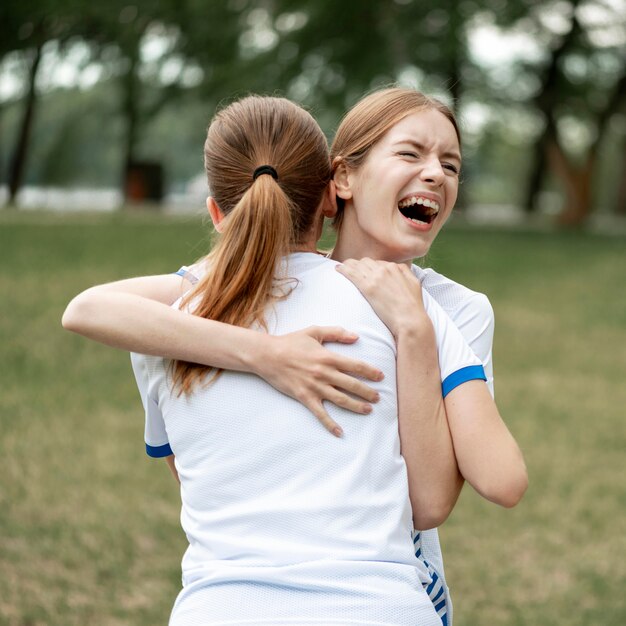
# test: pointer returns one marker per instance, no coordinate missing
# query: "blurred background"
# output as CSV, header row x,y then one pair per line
x,y
105,103
103,111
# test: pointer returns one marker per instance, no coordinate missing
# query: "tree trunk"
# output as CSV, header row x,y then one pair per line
x,y
537,173
545,102
620,206
578,181
458,53
17,164
130,112
577,184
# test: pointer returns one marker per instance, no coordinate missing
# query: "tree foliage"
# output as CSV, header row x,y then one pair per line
x,y
161,56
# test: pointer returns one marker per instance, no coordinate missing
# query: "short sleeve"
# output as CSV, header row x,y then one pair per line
x,y
457,361
470,311
186,272
156,439
193,273
475,320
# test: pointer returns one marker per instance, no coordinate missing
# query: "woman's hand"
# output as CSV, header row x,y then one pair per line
x,y
393,291
298,365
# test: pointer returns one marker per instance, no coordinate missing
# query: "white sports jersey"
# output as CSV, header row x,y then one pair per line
x,y
473,315
287,525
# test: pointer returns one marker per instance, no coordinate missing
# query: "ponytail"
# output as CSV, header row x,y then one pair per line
x,y
236,289
264,215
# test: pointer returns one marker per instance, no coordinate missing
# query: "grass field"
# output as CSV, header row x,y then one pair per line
x,y
89,530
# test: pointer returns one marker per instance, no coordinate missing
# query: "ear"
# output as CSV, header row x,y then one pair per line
x,y
329,201
341,179
216,213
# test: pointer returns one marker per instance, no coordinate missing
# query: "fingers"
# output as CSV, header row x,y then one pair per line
x,y
317,408
356,368
354,270
331,333
355,387
345,401
337,334
340,399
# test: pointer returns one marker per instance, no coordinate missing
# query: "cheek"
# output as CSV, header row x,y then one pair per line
x,y
452,193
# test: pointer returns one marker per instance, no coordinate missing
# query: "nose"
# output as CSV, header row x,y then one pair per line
x,y
432,171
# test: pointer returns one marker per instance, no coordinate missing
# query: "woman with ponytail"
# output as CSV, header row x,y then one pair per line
x,y
259,218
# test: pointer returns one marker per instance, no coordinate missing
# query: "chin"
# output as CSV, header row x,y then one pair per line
x,y
417,252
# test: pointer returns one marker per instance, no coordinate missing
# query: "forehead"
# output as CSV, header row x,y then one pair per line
x,y
427,127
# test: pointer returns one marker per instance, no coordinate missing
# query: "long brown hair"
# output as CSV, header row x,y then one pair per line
x,y
263,218
370,118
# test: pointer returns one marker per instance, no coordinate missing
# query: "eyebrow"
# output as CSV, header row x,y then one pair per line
x,y
446,155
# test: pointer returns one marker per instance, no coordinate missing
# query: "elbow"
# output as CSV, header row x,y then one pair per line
x,y
508,492
68,321
430,519
516,490
432,515
75,315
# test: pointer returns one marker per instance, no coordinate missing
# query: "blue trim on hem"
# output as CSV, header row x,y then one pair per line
x,y
180,272
471,372
157,452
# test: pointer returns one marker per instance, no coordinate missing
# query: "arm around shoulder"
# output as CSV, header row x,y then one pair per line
x,y
98,311
136,315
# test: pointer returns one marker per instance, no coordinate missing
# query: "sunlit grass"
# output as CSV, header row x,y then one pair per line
x,y
89,530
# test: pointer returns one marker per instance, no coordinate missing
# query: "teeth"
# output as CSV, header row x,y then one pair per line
x,y
431,204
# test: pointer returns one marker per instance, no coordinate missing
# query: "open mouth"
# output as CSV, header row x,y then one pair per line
x,y
419,209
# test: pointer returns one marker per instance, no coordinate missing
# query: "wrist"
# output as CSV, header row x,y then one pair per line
x,y
257,353
416,328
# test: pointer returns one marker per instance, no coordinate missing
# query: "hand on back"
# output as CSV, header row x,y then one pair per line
x,y
298,365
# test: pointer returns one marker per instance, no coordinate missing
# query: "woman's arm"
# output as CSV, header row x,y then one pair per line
x,y
481,438
171,463
485,452
426,444
135,315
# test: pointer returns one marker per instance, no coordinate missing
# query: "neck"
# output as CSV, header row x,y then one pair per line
x,y
347,247
306,246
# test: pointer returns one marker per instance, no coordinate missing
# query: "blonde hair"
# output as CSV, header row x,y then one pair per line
x,y
370,118
263,217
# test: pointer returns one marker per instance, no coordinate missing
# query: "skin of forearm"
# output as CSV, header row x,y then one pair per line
x,y
488,456
426,443
171,463
138,324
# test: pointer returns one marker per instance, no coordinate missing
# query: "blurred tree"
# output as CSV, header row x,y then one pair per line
x,y
166,54
579,86
620,204
26,27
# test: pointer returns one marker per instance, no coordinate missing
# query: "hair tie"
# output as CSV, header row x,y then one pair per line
x,y
265,169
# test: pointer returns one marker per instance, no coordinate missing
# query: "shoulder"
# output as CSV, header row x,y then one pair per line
x,y
461,303
318,272
194,273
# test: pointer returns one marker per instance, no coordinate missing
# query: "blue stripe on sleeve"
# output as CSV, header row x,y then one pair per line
x,y
471,372
185,273
159,451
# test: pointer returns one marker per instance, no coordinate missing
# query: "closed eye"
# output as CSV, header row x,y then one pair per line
x,y
450,167
413,155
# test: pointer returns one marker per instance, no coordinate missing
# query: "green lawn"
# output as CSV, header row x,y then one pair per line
x,y
89,530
